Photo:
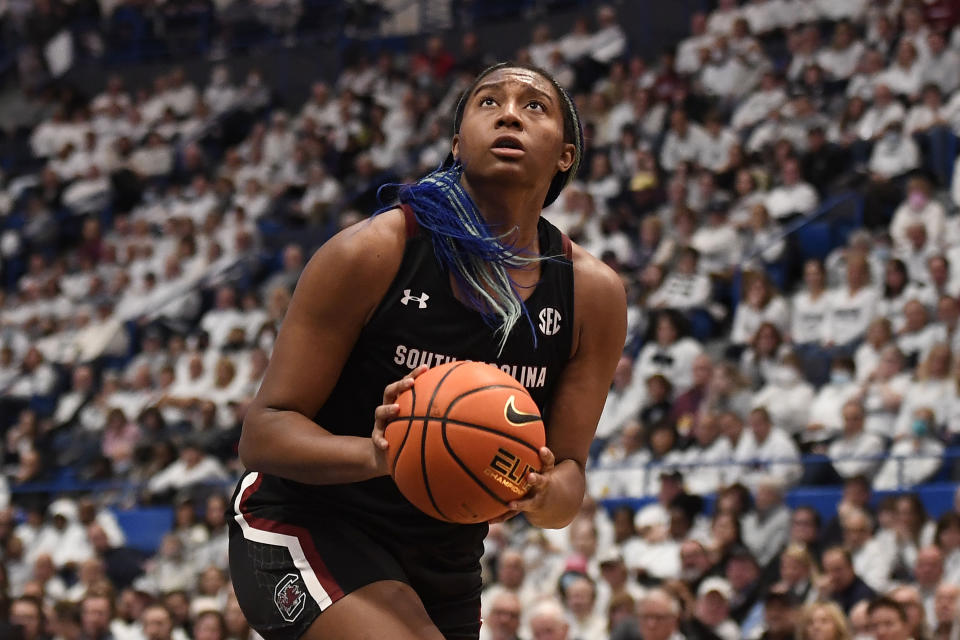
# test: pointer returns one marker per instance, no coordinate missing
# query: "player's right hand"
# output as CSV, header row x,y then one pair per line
x,y
385,413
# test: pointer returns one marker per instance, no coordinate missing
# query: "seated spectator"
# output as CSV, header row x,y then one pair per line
x,y
503,620
96,611
718,243
192,467
683,143
580,599
872,559
712,609
893,155
931,387
762,245
761,303
918,336
823,621
787,396
761,360
623,401
793,196
928,117
765,528
884,112
884,391
889,620
855,452
728,391
913,458
797,573
765,449
685,288
809,306
743,574
905,75
685,407
919,206
840,60
669,353
841,584
944,609
548,620
825,421
852,306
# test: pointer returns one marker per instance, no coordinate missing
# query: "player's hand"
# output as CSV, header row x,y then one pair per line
x,y
539,483
384,414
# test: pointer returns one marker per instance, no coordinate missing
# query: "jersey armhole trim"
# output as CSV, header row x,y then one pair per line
x,y
410,220
567,246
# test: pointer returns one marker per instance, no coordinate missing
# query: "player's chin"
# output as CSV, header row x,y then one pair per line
x,y
505,171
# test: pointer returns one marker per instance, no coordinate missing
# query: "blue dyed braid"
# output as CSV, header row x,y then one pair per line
x,y
463,241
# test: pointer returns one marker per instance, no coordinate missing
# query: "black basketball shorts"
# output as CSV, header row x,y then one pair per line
x,y
289,563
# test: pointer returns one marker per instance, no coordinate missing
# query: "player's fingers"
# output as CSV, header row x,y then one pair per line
x,y
535,479
394,389
503,518
525,504
547,458
384,414
416,372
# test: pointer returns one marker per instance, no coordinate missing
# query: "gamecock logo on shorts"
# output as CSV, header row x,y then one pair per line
x,y
289,597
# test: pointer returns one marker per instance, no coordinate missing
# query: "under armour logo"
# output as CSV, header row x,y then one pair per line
x,y
421,299
549,321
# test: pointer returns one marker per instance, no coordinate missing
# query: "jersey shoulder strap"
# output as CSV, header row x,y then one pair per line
x,y
410,220
567,246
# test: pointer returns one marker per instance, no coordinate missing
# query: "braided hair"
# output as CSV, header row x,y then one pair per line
x,y
463,242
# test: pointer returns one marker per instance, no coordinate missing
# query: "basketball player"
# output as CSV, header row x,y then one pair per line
x,y
322,544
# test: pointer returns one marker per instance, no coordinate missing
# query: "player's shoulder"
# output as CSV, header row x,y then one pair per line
x,y
369,246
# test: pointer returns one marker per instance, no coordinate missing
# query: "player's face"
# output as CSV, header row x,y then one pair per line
x,y
512,131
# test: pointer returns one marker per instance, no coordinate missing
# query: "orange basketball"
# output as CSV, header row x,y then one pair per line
x,y
464,442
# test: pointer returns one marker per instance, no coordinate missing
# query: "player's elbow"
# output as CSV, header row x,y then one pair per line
x,y
250,449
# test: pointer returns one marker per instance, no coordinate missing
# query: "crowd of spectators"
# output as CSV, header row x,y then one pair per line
x,y
146,265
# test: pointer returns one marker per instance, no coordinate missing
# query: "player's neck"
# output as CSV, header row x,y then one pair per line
x,y
507,209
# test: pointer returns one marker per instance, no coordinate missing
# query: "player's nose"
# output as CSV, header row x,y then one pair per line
x,y
510,115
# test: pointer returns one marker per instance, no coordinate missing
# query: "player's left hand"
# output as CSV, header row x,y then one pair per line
x,y
539,483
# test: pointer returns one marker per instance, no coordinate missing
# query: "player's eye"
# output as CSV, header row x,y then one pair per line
x,y
487,101
536,105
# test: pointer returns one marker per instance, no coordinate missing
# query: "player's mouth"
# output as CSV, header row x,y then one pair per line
x,y
507,147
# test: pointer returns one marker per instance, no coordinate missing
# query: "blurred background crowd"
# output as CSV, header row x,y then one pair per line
x,y
778,453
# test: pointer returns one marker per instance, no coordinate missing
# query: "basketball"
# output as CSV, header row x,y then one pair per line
x,y
465,439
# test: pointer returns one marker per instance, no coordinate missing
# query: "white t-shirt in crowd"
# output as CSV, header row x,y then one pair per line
x,y
785,200
747,320
777,455
899,473
808,316
862,450
850,314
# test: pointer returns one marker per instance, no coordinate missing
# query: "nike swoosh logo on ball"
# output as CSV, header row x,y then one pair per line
x,y
516,418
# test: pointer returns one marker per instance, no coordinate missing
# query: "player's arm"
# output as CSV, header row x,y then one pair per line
x,y
338,290
601,324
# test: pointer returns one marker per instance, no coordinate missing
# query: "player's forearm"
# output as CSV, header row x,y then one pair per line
x,y
289,445
563,499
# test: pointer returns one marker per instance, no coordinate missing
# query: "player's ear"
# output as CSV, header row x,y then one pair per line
x,y
455,146
567,155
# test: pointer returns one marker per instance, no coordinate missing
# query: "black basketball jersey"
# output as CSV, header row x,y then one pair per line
x,y
420,321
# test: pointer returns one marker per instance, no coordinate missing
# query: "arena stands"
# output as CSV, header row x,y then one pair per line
x,y
778,192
